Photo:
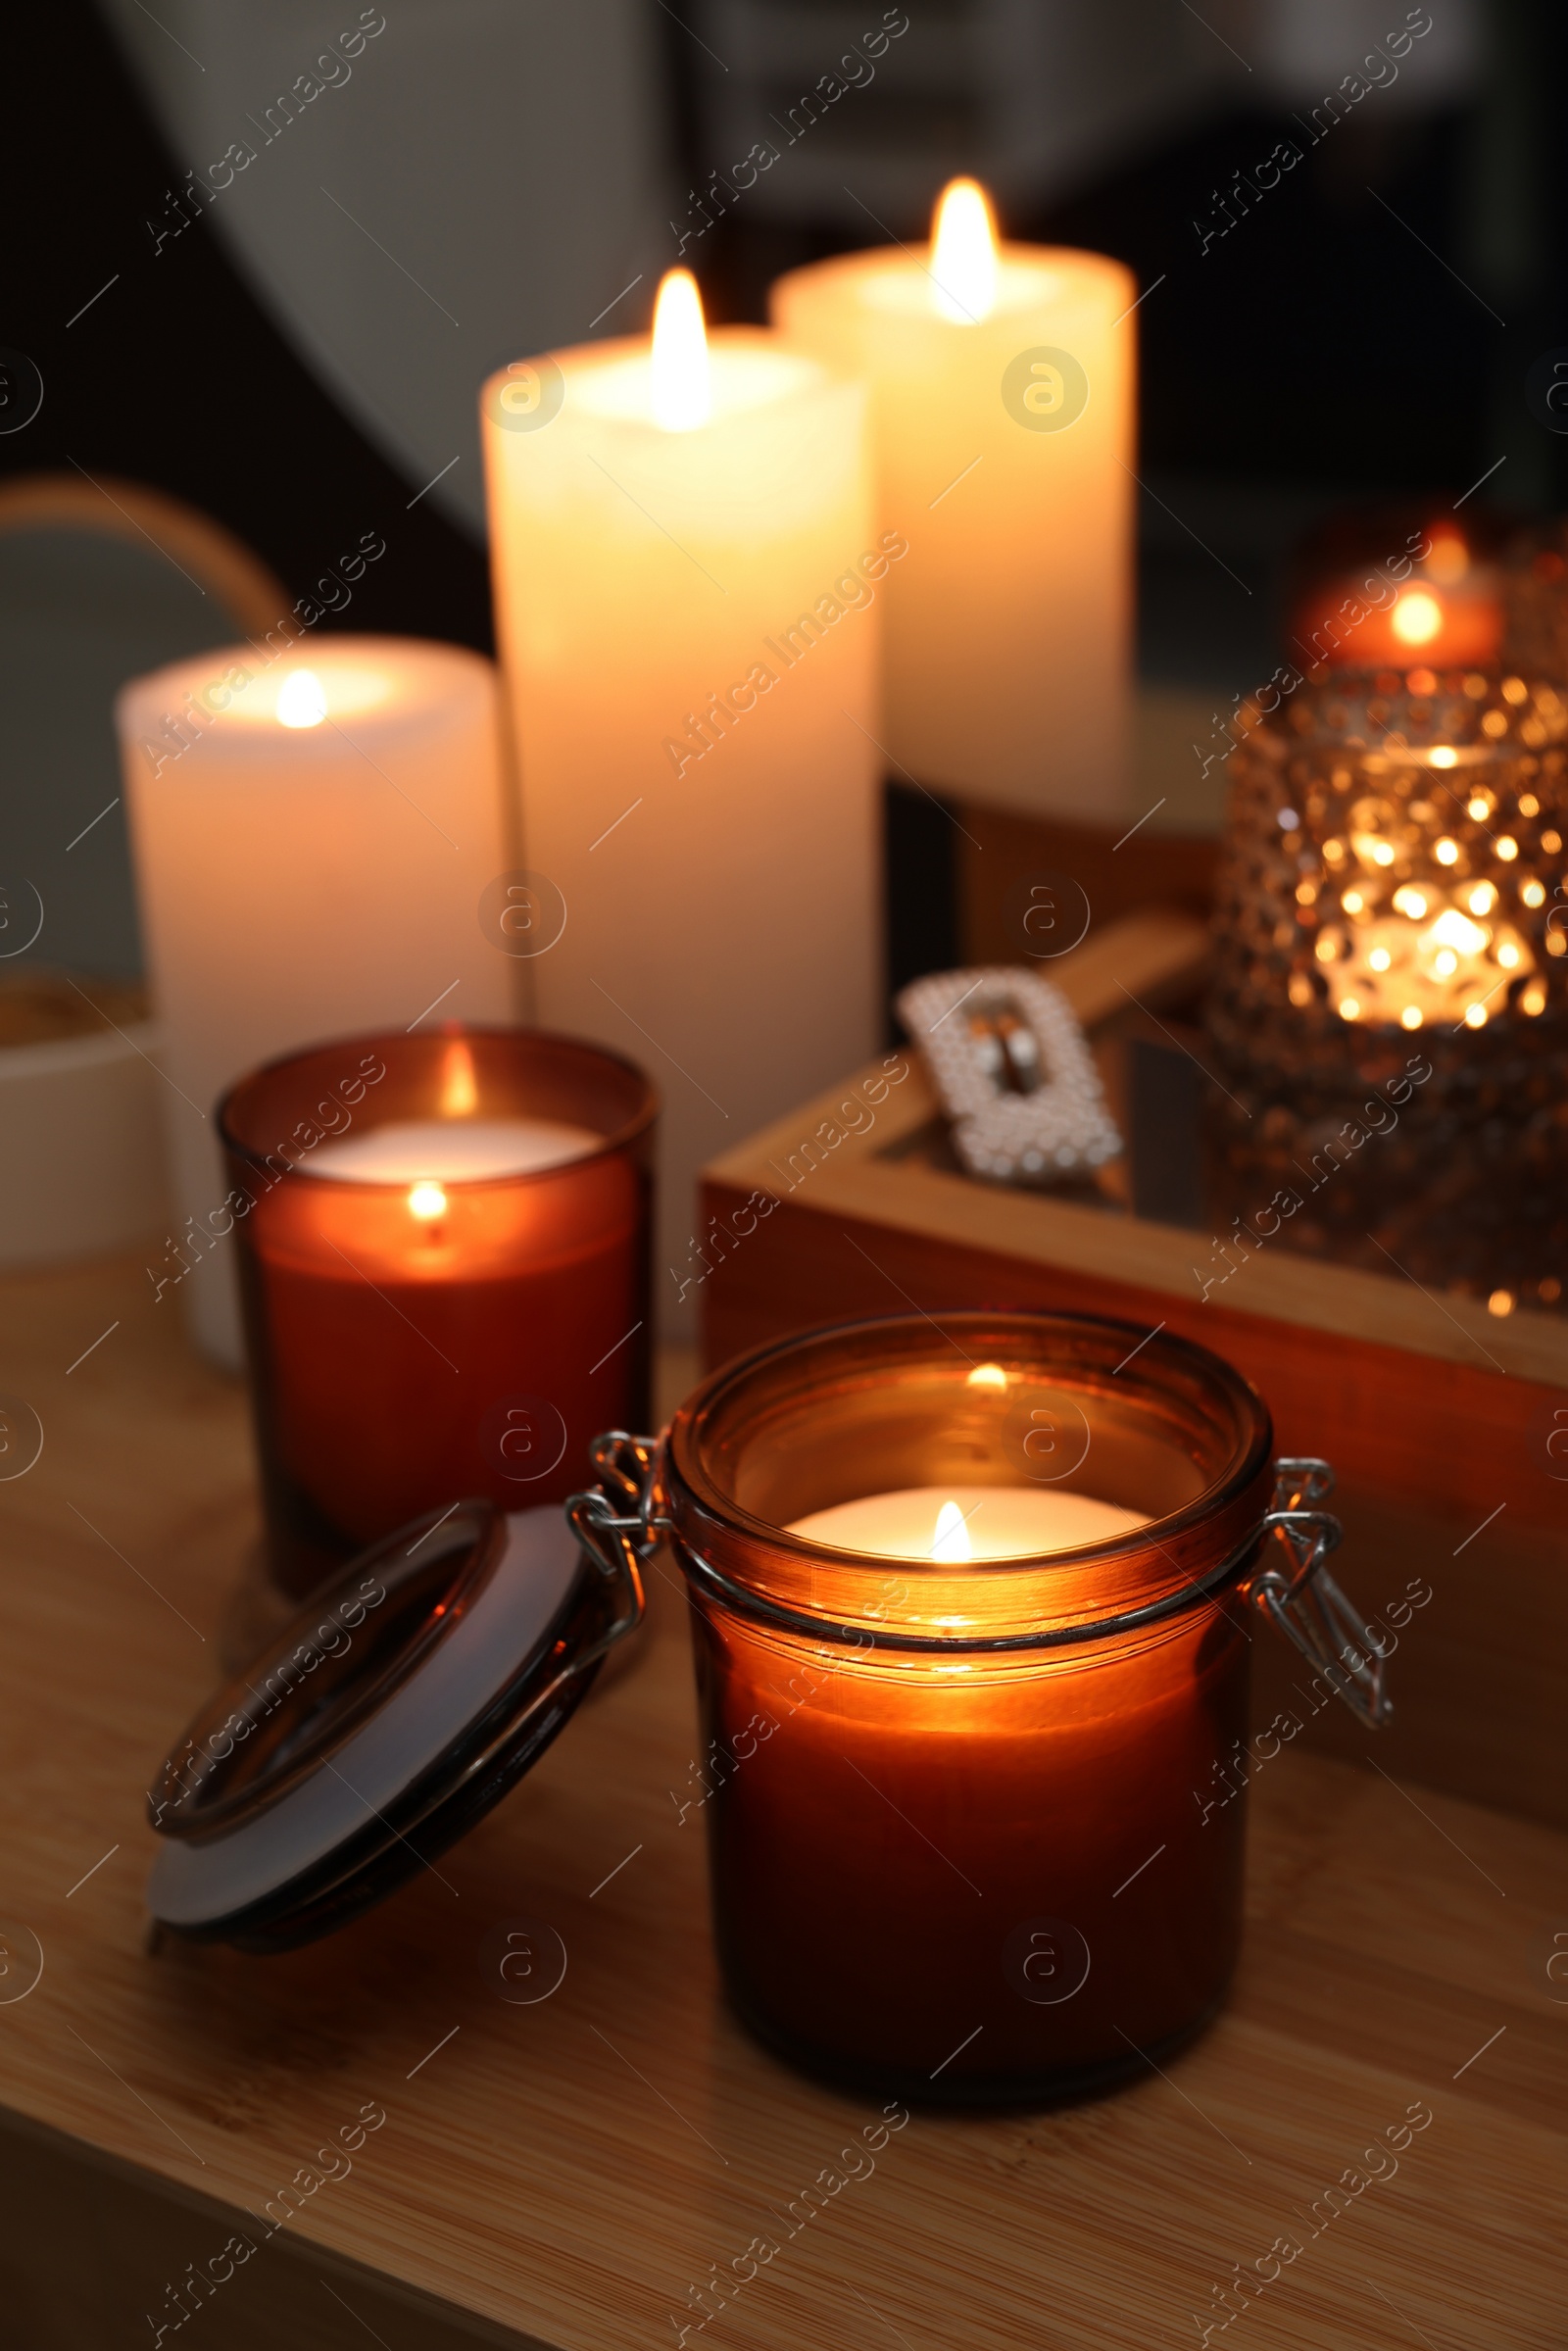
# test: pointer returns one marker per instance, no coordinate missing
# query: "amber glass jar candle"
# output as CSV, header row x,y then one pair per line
x,y
961,1839
443,1252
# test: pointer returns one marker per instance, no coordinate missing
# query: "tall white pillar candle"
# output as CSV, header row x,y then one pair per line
x,y
1003,418
688,588
312,837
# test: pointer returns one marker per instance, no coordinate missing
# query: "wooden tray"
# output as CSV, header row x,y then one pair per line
x,y
559,2174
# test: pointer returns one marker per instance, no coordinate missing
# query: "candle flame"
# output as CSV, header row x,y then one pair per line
x,y
1448,558
1416,617
963,254
301,699
682,383
1453,929
426,1202
951,1543
459,1091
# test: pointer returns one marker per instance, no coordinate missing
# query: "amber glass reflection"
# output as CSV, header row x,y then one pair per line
x,y
398,1362
967,1873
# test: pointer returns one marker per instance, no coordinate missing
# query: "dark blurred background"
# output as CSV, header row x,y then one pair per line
x,y
295,351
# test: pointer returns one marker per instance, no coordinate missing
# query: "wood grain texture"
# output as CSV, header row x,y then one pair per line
x,y
558,2175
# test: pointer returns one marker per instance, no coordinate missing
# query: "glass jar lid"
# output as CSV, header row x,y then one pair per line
x,y
383,1722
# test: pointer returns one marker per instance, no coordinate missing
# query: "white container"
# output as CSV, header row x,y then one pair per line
x,y
82,1155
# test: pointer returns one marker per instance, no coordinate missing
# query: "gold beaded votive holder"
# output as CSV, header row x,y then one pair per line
x,y
1390,1007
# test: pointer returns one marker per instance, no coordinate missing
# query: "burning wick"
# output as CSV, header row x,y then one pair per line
x,y
682,385
301,699
1416,617
951,1543
963,255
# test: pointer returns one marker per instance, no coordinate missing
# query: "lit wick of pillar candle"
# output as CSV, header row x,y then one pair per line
x,y
301,699
681,377
963,254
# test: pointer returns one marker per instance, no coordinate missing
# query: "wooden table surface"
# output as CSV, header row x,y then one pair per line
x,y
560,2173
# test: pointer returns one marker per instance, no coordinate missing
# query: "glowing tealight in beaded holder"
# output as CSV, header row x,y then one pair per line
x,y
1390,915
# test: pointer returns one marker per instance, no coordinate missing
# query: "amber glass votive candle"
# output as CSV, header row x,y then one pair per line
x,y
443,1256
970,1639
